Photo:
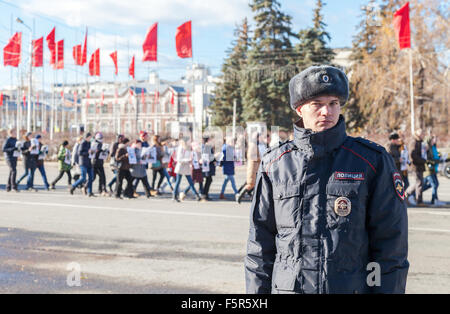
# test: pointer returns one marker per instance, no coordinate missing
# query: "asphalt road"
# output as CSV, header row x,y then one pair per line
x,y
157,246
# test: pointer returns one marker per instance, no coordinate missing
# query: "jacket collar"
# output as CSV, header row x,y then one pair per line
x,y
319,143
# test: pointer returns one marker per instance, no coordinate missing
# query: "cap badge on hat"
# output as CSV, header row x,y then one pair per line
x,y
325,78
342,206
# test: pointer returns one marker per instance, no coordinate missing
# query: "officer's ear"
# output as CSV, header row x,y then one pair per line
x,y
298,110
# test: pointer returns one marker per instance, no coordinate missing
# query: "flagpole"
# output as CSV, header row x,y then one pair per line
x,y
411,88
75,101
18,103
34,103
11,86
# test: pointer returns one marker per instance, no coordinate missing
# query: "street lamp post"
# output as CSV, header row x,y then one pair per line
x,y
18,20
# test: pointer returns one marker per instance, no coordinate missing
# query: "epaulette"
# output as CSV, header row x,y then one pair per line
x,y
370,144
280,144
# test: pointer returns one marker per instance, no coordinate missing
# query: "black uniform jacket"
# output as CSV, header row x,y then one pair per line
x,y
325,206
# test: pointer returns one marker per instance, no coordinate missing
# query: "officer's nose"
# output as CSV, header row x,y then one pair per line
x,y
325,110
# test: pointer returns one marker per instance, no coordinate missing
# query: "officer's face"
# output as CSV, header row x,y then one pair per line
x,y
320,113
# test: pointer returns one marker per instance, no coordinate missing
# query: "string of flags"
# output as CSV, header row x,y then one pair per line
x,y
12,51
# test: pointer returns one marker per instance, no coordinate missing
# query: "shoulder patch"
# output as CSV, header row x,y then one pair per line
x,y
370,144
399,186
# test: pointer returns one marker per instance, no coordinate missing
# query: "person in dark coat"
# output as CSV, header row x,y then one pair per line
x,y
84,161
97,164
40,158
124,171
328,213
419,159
29,151
227,164
11,152
113,162
394,149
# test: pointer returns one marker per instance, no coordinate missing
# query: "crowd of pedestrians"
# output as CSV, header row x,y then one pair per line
x,y
170,162
423,158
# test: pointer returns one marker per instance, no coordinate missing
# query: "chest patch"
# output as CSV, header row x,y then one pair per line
x,y
355,176
342,206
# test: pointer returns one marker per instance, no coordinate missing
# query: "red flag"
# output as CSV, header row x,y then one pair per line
x,y
114,58
77,55
183,39
84,55
150,45
24,99
401,25
60,61
62,97
94,64
1,99
172,99
38,52
131,68
52,47
11,52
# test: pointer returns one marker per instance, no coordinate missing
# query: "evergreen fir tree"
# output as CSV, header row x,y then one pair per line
x,y
312,47
229,90
265,86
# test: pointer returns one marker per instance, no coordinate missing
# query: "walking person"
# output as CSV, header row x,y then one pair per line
x,y
404,162
183,158
84,159
29,150
113,162
76,172
431,170
196,172
124,170
40,158
11,152
138,171
157,167
327,207
171,170
98,163
419,158
227,164
253,161
394,149
208,167
165,164
64,165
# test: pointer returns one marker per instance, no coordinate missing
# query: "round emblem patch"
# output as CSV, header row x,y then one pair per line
x,y
342,206
325,78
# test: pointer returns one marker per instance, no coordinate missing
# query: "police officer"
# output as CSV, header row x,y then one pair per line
x,y
328,213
